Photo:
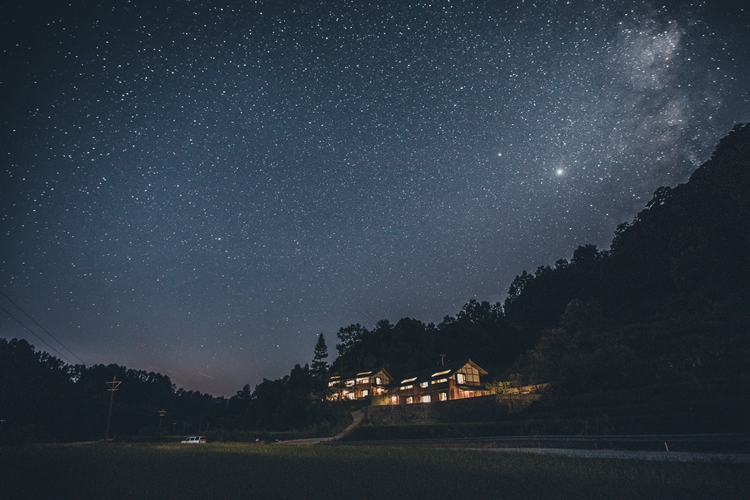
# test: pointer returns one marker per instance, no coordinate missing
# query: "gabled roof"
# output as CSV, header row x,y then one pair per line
x,y
437,372
363,373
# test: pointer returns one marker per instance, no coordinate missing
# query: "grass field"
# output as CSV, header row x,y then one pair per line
x,y
219,471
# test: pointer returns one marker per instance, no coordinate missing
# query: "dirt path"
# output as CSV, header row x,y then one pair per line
x,y
356,419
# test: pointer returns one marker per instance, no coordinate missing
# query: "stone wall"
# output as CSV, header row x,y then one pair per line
x,y
481,409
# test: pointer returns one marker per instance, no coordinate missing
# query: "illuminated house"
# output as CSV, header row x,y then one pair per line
x,y
441,383
359,385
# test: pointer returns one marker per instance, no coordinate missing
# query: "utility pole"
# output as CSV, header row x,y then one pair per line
x,y
162,412
113,385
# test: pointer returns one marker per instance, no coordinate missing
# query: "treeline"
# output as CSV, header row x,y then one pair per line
x,y
44,399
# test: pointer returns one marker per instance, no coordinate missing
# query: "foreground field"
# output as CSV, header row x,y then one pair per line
x,y
218,471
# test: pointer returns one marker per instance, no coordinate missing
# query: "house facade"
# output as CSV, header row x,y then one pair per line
x,y
359,385
442,383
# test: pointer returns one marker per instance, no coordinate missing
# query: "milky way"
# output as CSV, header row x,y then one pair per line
x,y
200,188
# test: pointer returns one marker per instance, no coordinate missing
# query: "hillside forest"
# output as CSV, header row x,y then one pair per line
x,y
666,303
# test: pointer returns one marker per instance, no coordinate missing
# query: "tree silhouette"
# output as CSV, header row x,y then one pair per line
x,y
319,367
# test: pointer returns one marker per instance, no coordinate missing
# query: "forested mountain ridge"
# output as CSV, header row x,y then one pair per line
x,y
668,298
690,243
668,301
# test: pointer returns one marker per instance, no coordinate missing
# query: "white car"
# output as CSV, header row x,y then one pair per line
x,y
195,440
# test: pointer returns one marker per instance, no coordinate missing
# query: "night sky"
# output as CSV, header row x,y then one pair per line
x,y
199,188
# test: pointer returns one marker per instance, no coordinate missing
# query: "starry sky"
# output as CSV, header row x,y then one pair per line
x,y
199,188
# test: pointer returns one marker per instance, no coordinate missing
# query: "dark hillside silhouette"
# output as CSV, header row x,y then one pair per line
x,y
670,296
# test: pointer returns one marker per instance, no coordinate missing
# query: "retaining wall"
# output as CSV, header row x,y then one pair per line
x,y
481,409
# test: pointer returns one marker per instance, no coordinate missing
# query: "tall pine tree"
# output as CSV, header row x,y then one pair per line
x,y
319,366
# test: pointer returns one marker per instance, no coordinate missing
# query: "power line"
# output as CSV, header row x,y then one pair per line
x,y
40,326
35,335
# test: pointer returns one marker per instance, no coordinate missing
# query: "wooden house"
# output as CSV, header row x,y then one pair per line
x,y
442,383
359,385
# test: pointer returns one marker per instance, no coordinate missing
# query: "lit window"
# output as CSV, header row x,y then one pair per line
x,y
460,378
409,400
350,395
423,384
331,384
365,393
425,399
439,381
405,387
378,381
394,399
349,383
443,396
363,380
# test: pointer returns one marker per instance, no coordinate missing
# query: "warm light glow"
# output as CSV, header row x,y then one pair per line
x,y
440,373
409,380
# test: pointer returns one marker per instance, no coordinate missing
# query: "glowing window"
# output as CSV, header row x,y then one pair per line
x,y
363,380
394,399
439,381
331,384
349,383
423,384
405,387
425,399
378,381
409,400
365,393
443,396
460,378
